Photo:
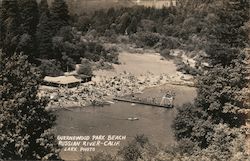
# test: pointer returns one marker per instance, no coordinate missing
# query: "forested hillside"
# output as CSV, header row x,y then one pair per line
x,y
89,6
46,34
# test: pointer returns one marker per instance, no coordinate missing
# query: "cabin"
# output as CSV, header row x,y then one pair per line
x,y
65,81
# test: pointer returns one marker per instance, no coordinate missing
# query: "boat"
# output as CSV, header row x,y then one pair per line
x,y
133,118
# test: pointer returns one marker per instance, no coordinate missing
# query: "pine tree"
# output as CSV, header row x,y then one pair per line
x,y
132,28
25,124
44,37
2,28
10,20
124,22
43,7
44,32
231,18
29,19
29,16
227,35
60,15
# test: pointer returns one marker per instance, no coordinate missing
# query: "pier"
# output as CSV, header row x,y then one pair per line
x,y
166,102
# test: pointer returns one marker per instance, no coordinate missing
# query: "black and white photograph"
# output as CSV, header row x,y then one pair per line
x,y
125,80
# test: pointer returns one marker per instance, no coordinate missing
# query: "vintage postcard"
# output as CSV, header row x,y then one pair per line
x,y
125,80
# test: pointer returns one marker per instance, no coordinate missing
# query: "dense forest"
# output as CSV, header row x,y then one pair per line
x,y
49,37
46,36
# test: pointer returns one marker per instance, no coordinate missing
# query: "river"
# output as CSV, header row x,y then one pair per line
x,y
154,122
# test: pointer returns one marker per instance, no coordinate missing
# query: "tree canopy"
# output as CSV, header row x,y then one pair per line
x,y
60,15
25,124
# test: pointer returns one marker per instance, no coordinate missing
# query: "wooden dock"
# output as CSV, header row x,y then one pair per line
x,y
142,102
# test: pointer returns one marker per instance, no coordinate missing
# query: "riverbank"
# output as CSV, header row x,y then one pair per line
x,y
144,75
135,73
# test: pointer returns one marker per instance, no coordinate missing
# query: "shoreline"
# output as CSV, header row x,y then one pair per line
x,y
135,74
107,100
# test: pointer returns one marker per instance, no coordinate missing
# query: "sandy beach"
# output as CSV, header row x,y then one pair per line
x,y
135,73
140,64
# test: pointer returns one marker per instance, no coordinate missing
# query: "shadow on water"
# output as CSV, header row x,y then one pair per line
x,y
154,122
114,120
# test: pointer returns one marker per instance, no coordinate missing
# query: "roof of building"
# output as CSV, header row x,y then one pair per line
x,y
62,80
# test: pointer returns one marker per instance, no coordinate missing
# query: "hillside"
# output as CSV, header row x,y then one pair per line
x,y
81,6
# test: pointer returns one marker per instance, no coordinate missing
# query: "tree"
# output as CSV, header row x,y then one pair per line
x,y
101,21
83,23
200,138
25,124
60,15
221,54
2,28
217,94
85,68
44,36
123,22
216,102
132,28
231,18
43,7
29,16
131,152
193,123
217,99
225,144
102,157
10,25
227,34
